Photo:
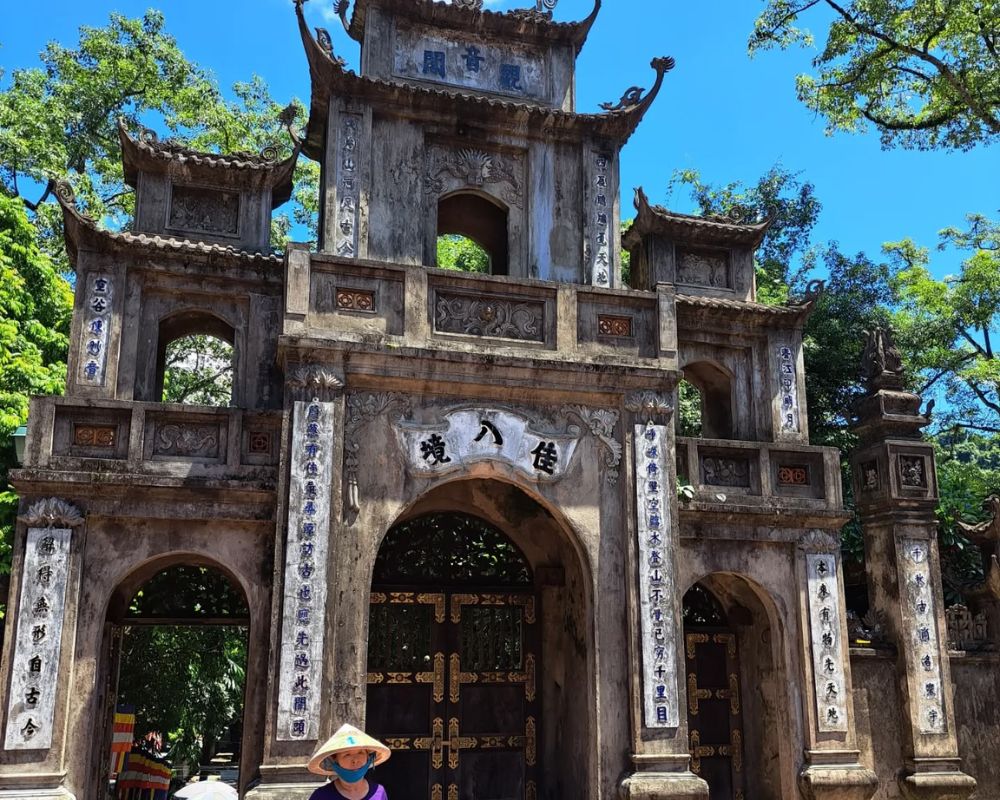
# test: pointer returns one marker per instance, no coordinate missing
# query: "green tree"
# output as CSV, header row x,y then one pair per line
x,y
462,254
952,325
924,73
59,121
35,310
199,370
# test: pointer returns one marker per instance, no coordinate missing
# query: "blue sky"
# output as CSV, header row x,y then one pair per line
x,y
728,116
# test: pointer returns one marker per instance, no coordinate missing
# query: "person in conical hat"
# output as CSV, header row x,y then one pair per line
x,y
346,759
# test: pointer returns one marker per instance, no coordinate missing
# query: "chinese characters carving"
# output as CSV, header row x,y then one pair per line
x,y
599,246
788,394
656,590
96,330
823,586
305,564
923,651
348,186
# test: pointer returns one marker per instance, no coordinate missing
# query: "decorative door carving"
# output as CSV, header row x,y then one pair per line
x,y
715,714
453,663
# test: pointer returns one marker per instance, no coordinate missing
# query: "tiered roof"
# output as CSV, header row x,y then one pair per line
x,y
330,77
147,154
522,25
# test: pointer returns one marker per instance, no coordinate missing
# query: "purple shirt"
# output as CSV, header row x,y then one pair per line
x,y
329,792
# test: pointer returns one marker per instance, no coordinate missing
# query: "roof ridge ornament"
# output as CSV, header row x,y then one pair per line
x,y
633,96
881,363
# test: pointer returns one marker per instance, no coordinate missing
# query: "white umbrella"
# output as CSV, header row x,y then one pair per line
x,y
207,790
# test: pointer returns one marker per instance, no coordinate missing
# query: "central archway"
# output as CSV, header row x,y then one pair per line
x,y
479,664
453,661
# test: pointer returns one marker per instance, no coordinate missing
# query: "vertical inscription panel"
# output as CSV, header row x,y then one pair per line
x,y
656,549
96,324
789,394
920,619
823,585
600,196
305,590
348,185
35,667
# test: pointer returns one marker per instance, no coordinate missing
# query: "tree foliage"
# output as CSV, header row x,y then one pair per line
x,y
952,324
462,253
199,370
35,302
924,73
59,121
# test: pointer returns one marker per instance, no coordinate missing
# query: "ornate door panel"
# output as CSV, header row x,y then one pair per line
x,y
715,723
452,690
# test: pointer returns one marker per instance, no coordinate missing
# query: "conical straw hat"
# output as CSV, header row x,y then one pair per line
x,y
347,738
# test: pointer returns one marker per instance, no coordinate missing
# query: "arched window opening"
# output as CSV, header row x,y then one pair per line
x,y
689,405
179,657
703,609
476,221
195,361
461,254
715,387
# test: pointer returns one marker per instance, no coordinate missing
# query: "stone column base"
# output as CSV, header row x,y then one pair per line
x,y
838,782
930,782
284,782
38,786
663,786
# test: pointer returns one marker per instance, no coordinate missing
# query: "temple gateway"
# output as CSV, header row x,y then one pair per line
x,y
448,501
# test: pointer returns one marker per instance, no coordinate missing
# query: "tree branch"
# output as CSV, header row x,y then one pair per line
x,y
982,396
974,343
991,122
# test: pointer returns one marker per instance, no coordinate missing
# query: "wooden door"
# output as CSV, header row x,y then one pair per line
x,y
452,689
715,714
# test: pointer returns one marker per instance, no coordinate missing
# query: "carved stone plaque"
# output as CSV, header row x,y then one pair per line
x,y
789,395
657,592
35,665
470,435
305,589
703,269
193,208
96,329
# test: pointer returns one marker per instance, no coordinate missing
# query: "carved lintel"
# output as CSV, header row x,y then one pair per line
x,y
647,406
819,541
315,382
601,422
52,513
472,167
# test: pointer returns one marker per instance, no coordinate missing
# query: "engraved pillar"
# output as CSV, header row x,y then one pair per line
x,y
37,654
659,729
895,486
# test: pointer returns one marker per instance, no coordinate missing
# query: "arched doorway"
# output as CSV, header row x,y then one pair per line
x,y
177,650
715,707
454,662
481,219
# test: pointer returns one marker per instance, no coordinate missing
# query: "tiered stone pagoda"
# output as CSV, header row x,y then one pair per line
x,y
448,499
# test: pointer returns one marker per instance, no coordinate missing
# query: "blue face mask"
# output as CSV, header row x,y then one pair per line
x,y
351,775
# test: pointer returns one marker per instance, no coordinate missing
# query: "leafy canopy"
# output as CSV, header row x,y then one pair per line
x,y
35,311
924,73
952,325
60,120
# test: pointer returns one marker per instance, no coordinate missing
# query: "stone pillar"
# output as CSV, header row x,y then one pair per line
x,y
297,716
659,722
38,653
896,491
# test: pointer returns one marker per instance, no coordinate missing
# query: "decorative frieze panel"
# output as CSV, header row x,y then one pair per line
x,y
468,63
489,316
471,435
40,616
912,472
602,206
793,475
618,327
355,300
656,546
179,440
923,649
448,169
966,631
96,329
823,587
789,394
305,586
200,210
703,269
348,186
725,471
94,435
